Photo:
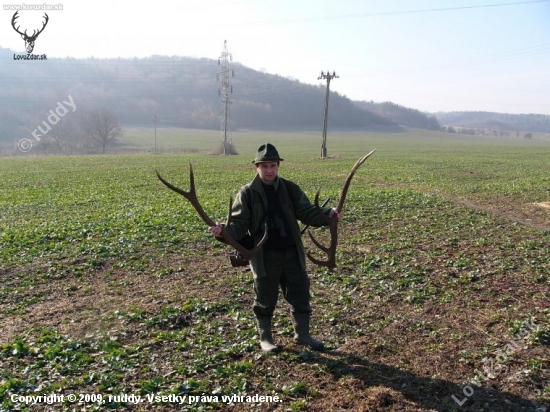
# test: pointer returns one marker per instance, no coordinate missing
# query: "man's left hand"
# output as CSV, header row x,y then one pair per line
x,y
334,211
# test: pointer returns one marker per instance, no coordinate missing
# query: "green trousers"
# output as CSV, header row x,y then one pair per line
x,y
283,270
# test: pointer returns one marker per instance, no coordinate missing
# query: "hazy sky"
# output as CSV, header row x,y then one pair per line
x,y
444,55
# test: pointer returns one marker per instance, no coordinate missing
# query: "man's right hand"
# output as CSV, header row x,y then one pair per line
x,y
217,230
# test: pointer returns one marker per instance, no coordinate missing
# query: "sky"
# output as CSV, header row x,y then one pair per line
x,y
431,55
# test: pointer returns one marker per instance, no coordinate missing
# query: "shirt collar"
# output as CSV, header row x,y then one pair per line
x,y
275,183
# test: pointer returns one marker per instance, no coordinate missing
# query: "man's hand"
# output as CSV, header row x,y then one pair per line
x,y
217,230
334,211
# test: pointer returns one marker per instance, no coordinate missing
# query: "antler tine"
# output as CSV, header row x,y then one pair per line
x,y
317,243
348,179
325,218
43,24
307,226
333,221
331,264
16,16
191,196
316,202
331,250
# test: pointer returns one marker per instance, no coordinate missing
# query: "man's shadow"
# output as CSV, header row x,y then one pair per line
x,y
426,392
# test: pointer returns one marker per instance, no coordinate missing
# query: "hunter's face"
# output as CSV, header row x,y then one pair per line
x,y
267,171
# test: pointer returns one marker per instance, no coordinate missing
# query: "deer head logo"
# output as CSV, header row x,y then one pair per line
x,y
29,40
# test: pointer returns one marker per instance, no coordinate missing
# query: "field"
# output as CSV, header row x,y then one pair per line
x,y
111,284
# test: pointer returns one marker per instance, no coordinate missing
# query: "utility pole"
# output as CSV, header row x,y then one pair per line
x,y
329,77
155,122
224,92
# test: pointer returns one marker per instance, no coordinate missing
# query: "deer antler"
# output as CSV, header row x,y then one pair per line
x,y
333,221
42,29
34,33
191,196
15,16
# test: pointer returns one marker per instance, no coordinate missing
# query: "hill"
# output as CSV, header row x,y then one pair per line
x,y
401,115
180,91
496,121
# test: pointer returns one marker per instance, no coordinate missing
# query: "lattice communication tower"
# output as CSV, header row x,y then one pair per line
x,y
225,73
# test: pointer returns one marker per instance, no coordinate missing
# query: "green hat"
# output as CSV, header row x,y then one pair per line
x,y
267,153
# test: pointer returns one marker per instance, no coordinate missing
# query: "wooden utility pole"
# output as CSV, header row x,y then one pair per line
x,y
328,77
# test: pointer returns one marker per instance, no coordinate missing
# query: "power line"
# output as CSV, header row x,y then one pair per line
x,y
388,13
534,50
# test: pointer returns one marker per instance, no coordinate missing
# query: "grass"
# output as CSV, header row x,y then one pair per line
x,y
112,285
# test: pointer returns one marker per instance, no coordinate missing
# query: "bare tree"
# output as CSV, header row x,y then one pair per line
x,y
66,135
103,127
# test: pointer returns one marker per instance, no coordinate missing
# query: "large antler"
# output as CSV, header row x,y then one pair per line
x,y
333,221
15,16
34,33
34,36
191,196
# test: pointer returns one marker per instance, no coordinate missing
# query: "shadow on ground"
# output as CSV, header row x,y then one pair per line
x,y
379,387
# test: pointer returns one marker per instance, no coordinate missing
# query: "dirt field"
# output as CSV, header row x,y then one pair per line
x,y
440,301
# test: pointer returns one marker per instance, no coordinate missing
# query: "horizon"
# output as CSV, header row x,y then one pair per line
x,y
445,56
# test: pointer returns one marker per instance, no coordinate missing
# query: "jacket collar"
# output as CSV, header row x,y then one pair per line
x,y
257,183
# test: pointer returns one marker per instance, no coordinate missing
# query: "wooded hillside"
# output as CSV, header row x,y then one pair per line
x,y
180,91
402,115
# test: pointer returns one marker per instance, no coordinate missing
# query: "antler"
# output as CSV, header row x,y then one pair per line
x,y
34,33
15,16
43,27
191,196
333,221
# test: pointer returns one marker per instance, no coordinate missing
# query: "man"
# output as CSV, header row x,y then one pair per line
x,y
281,260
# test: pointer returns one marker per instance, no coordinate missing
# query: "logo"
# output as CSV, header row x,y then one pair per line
x,y
29,40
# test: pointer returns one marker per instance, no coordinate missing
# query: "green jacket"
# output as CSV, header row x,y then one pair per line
x,y
247,216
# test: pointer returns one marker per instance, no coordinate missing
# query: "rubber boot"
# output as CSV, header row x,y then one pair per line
x,y
266,340
301,328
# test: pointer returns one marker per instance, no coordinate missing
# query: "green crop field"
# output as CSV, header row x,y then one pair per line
x,y
112,288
